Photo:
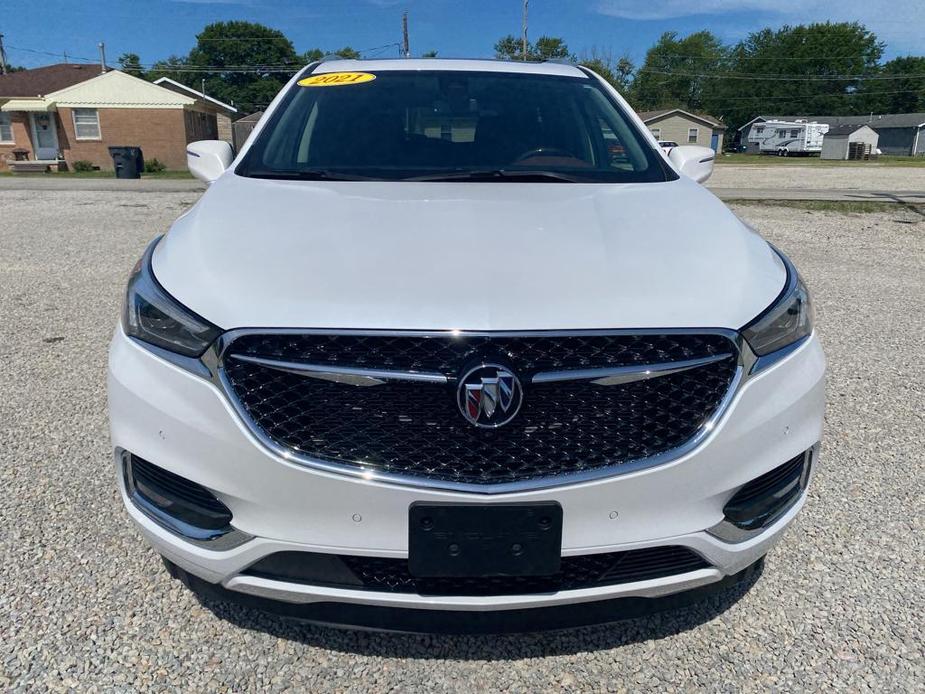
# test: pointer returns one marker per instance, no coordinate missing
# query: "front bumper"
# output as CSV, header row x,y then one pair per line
x,y
184,424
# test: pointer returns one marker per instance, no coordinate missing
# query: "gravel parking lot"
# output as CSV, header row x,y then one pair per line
x,y
776,176
85,603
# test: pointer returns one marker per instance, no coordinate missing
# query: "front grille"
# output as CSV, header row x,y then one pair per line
x,y
392,575
416,430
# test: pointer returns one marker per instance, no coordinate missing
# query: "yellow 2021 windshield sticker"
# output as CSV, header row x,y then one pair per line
x,y
336,79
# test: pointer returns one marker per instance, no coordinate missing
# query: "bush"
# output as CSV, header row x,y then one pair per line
x,y
83,165
154,166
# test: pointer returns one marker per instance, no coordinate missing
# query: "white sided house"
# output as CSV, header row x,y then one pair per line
x,y
786,138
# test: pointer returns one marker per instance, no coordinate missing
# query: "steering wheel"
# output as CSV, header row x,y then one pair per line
x,y
544,152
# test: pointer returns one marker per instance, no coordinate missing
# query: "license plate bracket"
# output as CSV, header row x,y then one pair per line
x,y
476,540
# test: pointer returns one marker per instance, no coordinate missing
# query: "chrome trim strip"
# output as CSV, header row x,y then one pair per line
x,y
733,534
219,540
772,358
342,374
213,359
619,375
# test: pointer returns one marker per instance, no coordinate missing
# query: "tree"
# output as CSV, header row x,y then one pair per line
x,y
798,70
241,62
510,48
550,48
131,65
619,72
312,55
901,88
174,67
347,53
678,72
429,54
546,48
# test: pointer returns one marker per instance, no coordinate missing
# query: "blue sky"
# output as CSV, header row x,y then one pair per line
x,y
456,28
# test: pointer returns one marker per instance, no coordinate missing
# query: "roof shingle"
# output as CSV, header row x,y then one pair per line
x,y
45,80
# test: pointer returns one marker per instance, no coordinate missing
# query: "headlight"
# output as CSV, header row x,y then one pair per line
x,y
151,315
787,321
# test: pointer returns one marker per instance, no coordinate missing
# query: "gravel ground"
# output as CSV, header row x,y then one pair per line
x,y
86,604
873,177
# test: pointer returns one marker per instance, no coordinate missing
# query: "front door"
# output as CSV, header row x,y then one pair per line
x,y
45,136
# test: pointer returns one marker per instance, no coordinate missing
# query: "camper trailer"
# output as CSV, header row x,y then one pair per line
x,y
786,138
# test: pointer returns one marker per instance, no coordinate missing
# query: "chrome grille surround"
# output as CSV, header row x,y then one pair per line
x,y
217,361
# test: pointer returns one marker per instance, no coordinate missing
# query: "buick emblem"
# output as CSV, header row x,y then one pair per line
x,y
489,395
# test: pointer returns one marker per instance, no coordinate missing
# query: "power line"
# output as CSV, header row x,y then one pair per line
x,y
805,97
780,78
56,55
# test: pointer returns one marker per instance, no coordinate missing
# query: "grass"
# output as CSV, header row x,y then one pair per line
x,y
99,174
770,160
842,206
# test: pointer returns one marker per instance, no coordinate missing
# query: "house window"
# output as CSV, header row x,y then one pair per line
x,y
6,129
692,134
657,132
87,124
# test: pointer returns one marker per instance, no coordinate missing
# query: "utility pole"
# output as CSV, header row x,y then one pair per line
x,y
102,47
2,57
406,49
523,36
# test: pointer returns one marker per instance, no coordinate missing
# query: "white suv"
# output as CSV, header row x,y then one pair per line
x,y
455,339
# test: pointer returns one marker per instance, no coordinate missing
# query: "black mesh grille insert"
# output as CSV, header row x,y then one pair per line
x,y
174,487
416,429
391,575
767,483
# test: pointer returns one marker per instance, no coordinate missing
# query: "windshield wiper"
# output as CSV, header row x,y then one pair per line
x,y
312,175
499,175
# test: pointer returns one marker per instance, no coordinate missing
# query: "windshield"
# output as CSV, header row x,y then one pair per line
x,y
452,125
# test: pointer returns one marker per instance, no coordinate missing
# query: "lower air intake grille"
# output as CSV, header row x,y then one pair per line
x,y
415,430
392,575
764,498
176,496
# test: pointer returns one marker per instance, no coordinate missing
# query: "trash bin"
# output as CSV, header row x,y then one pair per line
x,y
128,161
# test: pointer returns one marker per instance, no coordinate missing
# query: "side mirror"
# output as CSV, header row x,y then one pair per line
x,y
693,161
208,159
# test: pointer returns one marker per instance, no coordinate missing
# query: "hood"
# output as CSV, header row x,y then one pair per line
x,y
468,256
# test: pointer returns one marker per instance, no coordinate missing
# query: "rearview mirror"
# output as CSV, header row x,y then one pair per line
x,y
208,159
693,161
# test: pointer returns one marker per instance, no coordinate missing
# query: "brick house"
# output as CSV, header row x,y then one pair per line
x,y
66,113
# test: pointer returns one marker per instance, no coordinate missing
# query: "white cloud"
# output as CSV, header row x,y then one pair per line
x,y
898,22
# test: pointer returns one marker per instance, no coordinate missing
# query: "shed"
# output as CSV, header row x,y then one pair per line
x,y
849,142
242,128
900,134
